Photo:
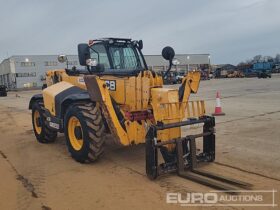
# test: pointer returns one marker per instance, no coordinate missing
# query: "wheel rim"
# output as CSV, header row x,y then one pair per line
x,y
76,141
37,121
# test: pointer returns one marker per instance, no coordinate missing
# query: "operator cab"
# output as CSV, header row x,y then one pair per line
x,y
112,56
115,56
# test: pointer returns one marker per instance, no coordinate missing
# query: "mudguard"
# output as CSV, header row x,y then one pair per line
x,y
35,98
61,103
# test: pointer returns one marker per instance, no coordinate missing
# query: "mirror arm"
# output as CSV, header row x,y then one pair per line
x,y
88,68
168,70
97,54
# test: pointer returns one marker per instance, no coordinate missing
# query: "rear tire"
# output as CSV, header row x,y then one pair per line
x,y
83,129
39,121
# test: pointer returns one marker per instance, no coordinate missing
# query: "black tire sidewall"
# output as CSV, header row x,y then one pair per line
x,y
82,154
40,137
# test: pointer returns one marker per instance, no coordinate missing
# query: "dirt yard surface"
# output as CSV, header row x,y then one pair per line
x,y
44,176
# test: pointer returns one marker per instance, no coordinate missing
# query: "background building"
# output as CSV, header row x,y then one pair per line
x,y
29,70
26,71
187,62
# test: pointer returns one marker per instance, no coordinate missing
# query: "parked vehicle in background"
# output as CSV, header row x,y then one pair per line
x,y
179,78
250,73
219,73
236,74
260,70
276,68
204,75
264,74
3,90
262,66
172,77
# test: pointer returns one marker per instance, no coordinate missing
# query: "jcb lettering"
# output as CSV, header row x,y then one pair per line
x,y
111,84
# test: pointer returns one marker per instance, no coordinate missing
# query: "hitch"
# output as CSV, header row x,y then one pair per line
x,y
184,159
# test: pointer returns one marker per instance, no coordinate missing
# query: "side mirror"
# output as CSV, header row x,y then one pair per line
x,y
84,54
168,53
62,58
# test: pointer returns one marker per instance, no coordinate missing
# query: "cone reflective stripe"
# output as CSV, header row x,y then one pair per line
x,y
218,108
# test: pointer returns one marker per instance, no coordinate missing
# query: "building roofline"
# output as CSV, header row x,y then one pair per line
x,y
77,55
40,55
181,54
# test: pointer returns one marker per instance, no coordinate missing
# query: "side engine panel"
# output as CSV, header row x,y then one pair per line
x,y
52,92
56,97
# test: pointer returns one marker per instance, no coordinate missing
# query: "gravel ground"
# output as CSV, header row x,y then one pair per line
x,y
37,176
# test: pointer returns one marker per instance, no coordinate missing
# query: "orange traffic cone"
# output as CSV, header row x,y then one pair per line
x,y
218,108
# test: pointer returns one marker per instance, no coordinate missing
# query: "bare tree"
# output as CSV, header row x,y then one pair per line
x,y
241,64
249,61
257,58
269,59
260,58
277,58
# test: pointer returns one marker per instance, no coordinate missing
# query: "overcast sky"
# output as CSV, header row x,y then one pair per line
x,y
231,31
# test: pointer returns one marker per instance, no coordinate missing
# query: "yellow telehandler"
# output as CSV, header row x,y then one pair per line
x,y
116,93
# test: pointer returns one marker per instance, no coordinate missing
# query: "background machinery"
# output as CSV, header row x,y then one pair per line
x,y
172,77
259,69
3,90
116,94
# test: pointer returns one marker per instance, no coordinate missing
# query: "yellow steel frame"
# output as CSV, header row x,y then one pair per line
x,y
135,93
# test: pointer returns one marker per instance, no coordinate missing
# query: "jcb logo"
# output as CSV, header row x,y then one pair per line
x,y
111,84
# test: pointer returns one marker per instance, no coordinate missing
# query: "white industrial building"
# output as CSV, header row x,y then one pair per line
x,y
187,62
25,71
21,71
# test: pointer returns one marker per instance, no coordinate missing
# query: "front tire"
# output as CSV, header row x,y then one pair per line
x,y
39,121
83,129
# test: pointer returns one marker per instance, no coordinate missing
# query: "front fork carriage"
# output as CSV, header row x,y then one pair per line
x,y
184,159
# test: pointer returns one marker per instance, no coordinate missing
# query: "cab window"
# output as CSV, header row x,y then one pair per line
x,y
98,52
125,58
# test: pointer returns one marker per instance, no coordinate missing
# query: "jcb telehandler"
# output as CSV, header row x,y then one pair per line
x,y
117,94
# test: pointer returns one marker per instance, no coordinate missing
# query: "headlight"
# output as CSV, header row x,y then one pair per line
x,y
91,62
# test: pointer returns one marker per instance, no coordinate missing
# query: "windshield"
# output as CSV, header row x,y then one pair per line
x,y
124,57
117,56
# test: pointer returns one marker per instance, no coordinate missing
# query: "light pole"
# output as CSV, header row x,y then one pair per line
x,y
209,64
188,61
